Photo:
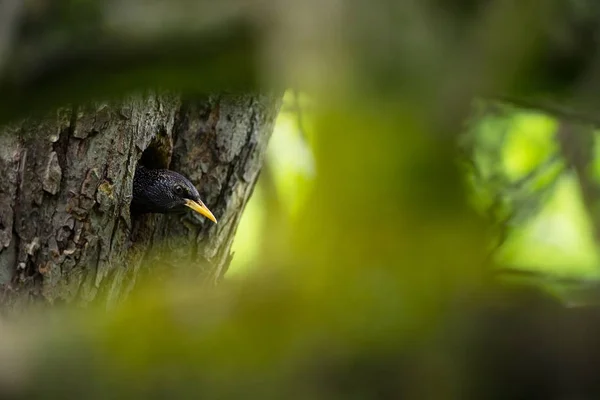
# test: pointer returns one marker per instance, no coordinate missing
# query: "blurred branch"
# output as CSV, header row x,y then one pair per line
x,y
64,51
561,111
533,202
571,290
111,70
72,53
504,189
527,273
577,145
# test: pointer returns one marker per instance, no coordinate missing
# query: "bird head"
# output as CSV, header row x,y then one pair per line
x,y
166,191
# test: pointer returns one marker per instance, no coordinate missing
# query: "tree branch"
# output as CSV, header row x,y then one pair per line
x,y
553,108
576,144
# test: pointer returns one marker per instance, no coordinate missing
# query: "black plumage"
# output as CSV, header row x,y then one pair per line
x,y
163,191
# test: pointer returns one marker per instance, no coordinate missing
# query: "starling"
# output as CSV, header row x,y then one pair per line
x,y
162,191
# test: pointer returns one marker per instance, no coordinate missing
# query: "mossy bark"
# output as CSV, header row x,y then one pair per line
x,y
66,234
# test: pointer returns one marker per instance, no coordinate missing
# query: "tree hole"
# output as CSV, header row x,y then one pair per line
x,y
158,153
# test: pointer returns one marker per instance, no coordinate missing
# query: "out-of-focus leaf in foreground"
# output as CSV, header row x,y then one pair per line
x,y
357,297
380,249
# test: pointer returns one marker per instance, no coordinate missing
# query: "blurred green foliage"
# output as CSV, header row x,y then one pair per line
x,y
519,176
517,179
350,260
371,234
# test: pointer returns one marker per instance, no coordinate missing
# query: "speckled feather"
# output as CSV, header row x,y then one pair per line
x,y
154,191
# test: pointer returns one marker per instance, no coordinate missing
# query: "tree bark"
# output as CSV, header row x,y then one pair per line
x,y
66,233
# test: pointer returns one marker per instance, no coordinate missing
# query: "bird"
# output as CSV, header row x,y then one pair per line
x,y
162,191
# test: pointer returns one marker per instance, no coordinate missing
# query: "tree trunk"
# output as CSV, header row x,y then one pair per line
x,y
66,234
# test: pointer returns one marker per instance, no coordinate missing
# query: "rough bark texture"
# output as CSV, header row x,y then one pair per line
x,y
66,233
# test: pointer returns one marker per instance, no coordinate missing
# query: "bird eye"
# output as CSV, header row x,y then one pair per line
x,y
178,189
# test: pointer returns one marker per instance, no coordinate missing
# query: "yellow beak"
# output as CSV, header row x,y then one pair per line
x,y
201,209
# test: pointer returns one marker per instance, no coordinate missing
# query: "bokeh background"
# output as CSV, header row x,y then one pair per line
x,y
426,224
517,179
